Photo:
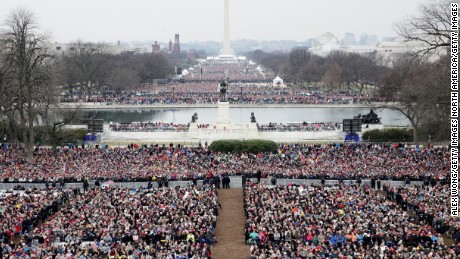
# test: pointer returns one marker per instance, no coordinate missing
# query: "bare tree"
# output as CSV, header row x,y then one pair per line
x,y
298,58
84,66
312,71
431,27
278,62
342,59
54,116
362,71
419,90
29,71
333,75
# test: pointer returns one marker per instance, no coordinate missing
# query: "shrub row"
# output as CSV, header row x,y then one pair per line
x,y
44,136
389,135
243,146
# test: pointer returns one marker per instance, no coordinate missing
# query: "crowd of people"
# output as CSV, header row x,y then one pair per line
x,y
238,93
299,126
431,202
125,223
148,126
180,127
346,221
237,71
20,211
143,163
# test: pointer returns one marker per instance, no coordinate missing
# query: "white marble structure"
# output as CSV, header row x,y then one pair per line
x,y
223,114
226,50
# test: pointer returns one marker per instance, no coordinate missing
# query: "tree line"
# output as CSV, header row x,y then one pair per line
x,y
33,77
415,83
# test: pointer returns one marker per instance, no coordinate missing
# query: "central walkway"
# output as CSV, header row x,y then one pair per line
x,y
230,226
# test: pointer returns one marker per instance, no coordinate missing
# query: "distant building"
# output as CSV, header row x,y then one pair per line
x,y
310,42
363,39
349,39
170,48
388,39
156,47
359,49
366,39
389,52
60,48
324,44
176,46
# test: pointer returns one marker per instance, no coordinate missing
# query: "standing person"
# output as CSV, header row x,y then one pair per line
x,y
274,180
150,185
217,181
259,175
373,183
378,184
226,181
194,180
85,185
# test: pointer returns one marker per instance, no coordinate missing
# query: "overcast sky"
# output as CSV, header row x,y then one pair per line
x,y
112,20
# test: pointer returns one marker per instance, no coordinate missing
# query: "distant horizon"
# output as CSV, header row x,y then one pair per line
x,y
269,20
213,41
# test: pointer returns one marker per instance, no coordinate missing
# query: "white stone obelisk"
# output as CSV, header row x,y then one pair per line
x,y
226,50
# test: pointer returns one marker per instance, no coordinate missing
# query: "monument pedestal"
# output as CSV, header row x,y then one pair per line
x,y
193,127
223,115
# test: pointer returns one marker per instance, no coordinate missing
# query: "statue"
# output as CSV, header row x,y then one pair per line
x,y
370,118
194,117
223,91
253,118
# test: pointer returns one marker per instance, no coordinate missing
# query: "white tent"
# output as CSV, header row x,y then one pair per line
x,y
277,81
185,72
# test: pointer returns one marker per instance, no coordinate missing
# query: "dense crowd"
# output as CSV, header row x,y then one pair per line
x,y
148,126
249,84
20,211
333,161
299,126
123,223
347,221
207,93
236,71
431,203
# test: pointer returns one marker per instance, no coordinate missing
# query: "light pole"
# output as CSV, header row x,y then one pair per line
x,y
241,92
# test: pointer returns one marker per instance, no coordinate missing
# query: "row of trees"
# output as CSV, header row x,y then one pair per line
x,y
337,70
415,84
420,80
32,77
90,68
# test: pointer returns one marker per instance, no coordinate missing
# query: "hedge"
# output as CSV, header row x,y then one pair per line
x,y
42,135
243,146
389,135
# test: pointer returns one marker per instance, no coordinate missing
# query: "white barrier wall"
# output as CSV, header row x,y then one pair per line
x,y
235,182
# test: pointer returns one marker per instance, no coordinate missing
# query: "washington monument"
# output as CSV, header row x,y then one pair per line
x,y
226,50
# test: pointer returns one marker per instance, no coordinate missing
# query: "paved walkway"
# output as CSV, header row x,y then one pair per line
x,y
230,226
